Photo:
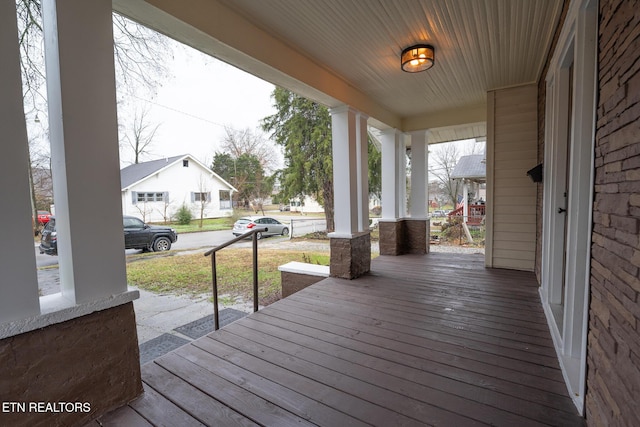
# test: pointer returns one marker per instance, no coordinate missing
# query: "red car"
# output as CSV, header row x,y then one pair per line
x,y
43,217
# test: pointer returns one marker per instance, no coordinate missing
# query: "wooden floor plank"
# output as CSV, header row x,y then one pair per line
x,y
502,396
509,306
160,411
254,407
421,340
197,403
438,316
410,345
405,406
290,376
477,309
287,398
449,378
485,337
384,378
396,322
124,416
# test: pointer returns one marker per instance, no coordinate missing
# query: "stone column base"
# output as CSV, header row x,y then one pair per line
x,y
404,236
350,257
90,364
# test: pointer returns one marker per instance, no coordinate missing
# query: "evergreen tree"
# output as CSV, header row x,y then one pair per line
x,y
246,174
303,128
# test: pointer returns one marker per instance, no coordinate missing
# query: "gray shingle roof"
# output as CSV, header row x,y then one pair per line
x,y
134,173
470,167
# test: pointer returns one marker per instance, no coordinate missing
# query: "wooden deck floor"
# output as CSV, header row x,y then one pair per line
x,y
422,340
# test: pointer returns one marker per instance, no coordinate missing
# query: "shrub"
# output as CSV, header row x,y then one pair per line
x,y
184,215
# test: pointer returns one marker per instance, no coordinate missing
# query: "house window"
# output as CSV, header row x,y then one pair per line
x,y
200,197
151,197
185,163
225,199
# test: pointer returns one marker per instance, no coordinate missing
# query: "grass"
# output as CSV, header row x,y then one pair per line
x,y
191,274
209,224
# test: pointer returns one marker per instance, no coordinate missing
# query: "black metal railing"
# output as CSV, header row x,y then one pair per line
x,y
254,236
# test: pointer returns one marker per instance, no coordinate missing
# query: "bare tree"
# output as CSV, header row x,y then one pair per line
x,y
140,54
143,209
166,204
203,197
239,142
140,136
140,62
443,159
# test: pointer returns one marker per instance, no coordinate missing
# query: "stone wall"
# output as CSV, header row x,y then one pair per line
x,y
404,236
613,378
294,282
350,258
92,360
295,276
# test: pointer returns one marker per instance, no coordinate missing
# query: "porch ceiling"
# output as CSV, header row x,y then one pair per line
x,y
338,51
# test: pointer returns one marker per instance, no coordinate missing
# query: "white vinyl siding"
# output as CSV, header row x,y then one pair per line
x,y
511,152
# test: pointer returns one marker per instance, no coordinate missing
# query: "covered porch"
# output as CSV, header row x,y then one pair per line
x,y
432,339
444,345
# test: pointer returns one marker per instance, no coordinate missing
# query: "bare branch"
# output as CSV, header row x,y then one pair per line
x,y
140,136
239,142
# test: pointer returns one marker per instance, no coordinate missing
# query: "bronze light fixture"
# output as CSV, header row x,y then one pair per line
x,y
417,58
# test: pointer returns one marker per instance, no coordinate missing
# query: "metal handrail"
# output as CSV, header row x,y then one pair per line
x,y
253,233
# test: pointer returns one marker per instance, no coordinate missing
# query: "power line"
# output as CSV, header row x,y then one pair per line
x,y
182,112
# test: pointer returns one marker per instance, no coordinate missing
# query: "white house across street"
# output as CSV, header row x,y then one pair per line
x,y
155,190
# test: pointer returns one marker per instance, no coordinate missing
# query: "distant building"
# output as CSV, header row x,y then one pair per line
x,y
155,190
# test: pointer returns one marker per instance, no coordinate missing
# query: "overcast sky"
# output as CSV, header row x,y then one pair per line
x,y
193,106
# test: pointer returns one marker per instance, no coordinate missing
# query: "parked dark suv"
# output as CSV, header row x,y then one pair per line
x,y
137,235
49,238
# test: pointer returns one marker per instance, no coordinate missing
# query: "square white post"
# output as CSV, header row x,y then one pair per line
x,y
390,176
84,148
419,199
19,284
465,201
345,171
362,160
401,182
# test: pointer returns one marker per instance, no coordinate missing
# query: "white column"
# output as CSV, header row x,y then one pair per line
x,y
401,183
345,171
84,148
465,200
362,158
390,140
419,174
19,283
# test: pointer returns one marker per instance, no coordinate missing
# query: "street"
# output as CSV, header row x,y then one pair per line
x,y
209,239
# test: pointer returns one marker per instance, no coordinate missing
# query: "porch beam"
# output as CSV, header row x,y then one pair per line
x,y
84,147
19,289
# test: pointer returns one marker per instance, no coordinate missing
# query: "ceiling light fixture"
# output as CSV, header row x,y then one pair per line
x,y
417,58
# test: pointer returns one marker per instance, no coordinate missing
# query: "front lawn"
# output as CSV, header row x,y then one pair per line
x,y
191,274
208,224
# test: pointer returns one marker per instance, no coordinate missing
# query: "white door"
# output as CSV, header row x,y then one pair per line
x,y
568,191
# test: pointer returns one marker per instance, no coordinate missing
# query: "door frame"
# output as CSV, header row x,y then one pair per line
x,y
577,47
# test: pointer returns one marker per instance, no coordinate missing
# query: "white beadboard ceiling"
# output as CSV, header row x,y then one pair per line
x,y
480,45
